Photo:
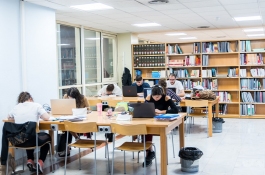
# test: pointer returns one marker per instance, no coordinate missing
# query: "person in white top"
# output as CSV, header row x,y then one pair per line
x,y
111,89
26,110
173,83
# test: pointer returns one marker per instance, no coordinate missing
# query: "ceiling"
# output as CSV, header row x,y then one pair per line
x,y
175,16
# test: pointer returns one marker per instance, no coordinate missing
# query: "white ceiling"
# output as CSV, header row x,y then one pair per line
x,y
175,16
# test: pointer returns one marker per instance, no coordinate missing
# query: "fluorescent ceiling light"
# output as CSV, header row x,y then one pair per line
x,y
260,34
63,44
146,25
93,38
90,7
253,30
175,34
188,38
247,18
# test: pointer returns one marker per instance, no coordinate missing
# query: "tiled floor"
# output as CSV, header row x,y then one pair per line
x,y
238,150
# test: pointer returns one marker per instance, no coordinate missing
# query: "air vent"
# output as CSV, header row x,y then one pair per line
x,y
203,27
158,2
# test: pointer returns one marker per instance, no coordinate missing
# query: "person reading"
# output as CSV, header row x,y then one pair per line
x,y
140,84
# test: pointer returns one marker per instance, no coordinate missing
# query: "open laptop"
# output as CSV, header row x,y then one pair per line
x,y
129,91
143,110
62,106
147,91
173,89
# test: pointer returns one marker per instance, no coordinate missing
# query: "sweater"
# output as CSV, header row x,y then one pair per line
x,y
163,104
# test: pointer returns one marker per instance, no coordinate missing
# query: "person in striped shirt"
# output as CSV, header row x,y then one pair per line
x,y
163,83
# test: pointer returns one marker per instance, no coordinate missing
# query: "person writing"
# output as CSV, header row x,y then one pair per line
x,y
163,83
173,83
163,105
111,89
27,110
81,102
140,84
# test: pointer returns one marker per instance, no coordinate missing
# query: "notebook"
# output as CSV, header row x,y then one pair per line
x,y
143,110
62,106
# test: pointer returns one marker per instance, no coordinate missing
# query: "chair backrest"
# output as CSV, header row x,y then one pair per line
x,y
80,127
196,103
94,102
139,129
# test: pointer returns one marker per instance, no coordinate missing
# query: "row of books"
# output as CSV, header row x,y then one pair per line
x,y
259,97
245,46
222,109
67,53
224,96
247,109
189,84
258,72
251,84
246,97
173,49
149,49
209,73
233,72
196,47
210,47
155,61
251,59
68,75
211,84
68,65
183,73
205,60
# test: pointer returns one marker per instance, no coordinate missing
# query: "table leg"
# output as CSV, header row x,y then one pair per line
x,y
210,120
217,109
163,152
182,134
52,142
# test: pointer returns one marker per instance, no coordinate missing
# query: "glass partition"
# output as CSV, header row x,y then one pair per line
x,y
69,59
62,92
92,90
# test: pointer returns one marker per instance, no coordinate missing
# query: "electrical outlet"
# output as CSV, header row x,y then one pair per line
x,y
54,127
104,129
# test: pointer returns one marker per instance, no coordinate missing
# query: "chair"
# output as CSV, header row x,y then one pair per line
x,y
28,148
130,130
197,107
84,127
93,103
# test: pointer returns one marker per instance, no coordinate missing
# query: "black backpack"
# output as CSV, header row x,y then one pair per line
x,y
126,77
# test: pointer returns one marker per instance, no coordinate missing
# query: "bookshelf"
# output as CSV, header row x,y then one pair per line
x,y
222,66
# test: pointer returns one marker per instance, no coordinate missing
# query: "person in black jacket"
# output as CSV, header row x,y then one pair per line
x,y
163,105
26,110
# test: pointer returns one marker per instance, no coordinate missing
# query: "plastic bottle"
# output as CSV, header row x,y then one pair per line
x,y
99,108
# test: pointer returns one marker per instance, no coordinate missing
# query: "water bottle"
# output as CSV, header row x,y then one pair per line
x,y
99,108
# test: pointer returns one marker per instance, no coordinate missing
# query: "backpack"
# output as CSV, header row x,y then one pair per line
x,y
204,95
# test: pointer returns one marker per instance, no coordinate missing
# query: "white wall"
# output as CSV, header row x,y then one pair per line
x,y
41,60
40,44
125,52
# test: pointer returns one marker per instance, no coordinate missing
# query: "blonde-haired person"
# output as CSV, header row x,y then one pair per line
x,y
163,83
27,110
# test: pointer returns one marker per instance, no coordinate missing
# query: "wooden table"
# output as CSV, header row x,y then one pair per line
x,y
130,99
210,113
160,128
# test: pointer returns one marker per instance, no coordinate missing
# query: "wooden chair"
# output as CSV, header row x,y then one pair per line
x,y
84,127
131,130
28,148
93,103
197,106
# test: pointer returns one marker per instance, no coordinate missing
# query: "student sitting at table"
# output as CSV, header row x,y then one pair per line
x,y
163,105
81,102
163,83
111,89
140,84
26,110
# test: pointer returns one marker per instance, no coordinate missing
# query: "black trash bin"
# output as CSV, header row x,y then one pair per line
x,y
190,159
218,124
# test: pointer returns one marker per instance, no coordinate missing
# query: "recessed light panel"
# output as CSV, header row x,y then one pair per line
x,y
188,38
259,34
91,7
253,30
175,34
146,25
247,18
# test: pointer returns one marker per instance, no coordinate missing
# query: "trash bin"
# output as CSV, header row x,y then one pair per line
x,y
190,159
218,124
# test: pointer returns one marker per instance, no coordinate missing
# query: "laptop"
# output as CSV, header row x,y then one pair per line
x,y
129,91
173,89
143,110
147,91
62,106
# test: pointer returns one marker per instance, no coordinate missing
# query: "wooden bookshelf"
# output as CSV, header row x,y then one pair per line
x,y
222,62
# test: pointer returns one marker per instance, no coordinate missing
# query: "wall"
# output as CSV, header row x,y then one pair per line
x,y
40,54
125,52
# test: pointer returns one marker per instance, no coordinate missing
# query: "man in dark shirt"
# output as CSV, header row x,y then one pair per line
x,y
140,84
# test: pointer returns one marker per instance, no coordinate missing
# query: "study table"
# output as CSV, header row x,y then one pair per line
x,y
210,113
160,128
130,99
